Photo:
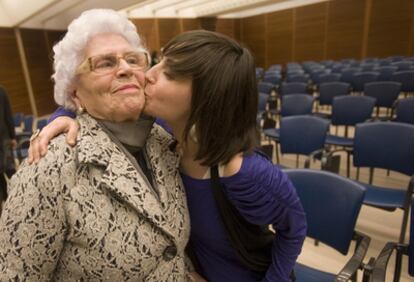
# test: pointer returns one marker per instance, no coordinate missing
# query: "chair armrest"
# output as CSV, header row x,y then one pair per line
x,y
355,261
380,265
313,156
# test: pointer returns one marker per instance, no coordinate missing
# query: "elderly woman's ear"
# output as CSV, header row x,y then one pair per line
x,y
79,105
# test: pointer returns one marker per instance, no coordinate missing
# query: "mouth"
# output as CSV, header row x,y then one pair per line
x,y
127,87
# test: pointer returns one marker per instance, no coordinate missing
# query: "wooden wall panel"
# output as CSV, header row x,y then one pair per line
x,y
168,28
227,27
40,71
309,31
147,29
253,36
11,72
345,29
189,24
53,37
279,37
411,47
389,28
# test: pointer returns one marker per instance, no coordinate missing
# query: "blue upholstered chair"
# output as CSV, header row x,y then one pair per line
x,y
348,111
293,88
28,124
18,119
273,78
386,145
40,123
359,79
385,93
265,87
406,78
385,72
332,204
303,135
404,110
329,90
296,104
297,78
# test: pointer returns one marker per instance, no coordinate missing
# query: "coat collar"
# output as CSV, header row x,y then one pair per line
x,y
120,176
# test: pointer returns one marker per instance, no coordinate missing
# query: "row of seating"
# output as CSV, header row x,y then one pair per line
x,y
332,204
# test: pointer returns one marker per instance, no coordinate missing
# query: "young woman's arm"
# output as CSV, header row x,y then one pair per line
x,y
264,195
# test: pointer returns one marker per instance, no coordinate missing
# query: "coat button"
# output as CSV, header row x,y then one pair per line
x,y
169,253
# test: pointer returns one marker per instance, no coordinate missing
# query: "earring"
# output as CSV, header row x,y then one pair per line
x,y
193,134
80,110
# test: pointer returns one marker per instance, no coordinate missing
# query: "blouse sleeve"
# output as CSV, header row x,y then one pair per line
x,y
32,225
263,195
61,112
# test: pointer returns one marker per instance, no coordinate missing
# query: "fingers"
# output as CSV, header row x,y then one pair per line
x,y
72,133
34,151
38,145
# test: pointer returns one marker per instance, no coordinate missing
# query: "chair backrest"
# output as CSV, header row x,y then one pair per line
x,y
405,110
329,77
385,92
331,203
302,134
265,87
296,104
350,110
402,65
329,90
316,74
18,119
359,79
297,78
259,72
368,66
262,102
28,123
387,145
272,78
406,78
385,73
40,123
293,88
348,73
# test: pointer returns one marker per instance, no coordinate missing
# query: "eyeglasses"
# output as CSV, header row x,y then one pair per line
x,y
107,63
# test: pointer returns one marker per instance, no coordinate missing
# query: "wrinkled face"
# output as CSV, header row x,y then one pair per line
x,y
167,97
117,95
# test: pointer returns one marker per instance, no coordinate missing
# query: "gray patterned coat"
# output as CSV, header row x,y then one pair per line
x,y
86,214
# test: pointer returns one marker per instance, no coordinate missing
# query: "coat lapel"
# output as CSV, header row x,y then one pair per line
x,y
113,171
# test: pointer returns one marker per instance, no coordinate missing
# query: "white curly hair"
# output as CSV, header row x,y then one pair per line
x,y
69,52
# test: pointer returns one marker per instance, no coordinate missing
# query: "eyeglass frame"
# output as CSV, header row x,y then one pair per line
x,y
87,67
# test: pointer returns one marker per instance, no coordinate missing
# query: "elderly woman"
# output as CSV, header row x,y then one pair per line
x,y
205,89
112,208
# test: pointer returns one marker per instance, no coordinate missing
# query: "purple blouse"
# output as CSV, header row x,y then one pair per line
x,y
262,194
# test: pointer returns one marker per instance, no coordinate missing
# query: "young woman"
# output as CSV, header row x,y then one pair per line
x,y
205,89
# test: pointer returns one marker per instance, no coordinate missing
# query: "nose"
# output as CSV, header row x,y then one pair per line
x,y
123,68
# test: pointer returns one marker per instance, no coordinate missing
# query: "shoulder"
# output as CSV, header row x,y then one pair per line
x,y
49,169
258,177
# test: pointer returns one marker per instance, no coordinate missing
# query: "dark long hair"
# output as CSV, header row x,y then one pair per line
x,y
224,93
